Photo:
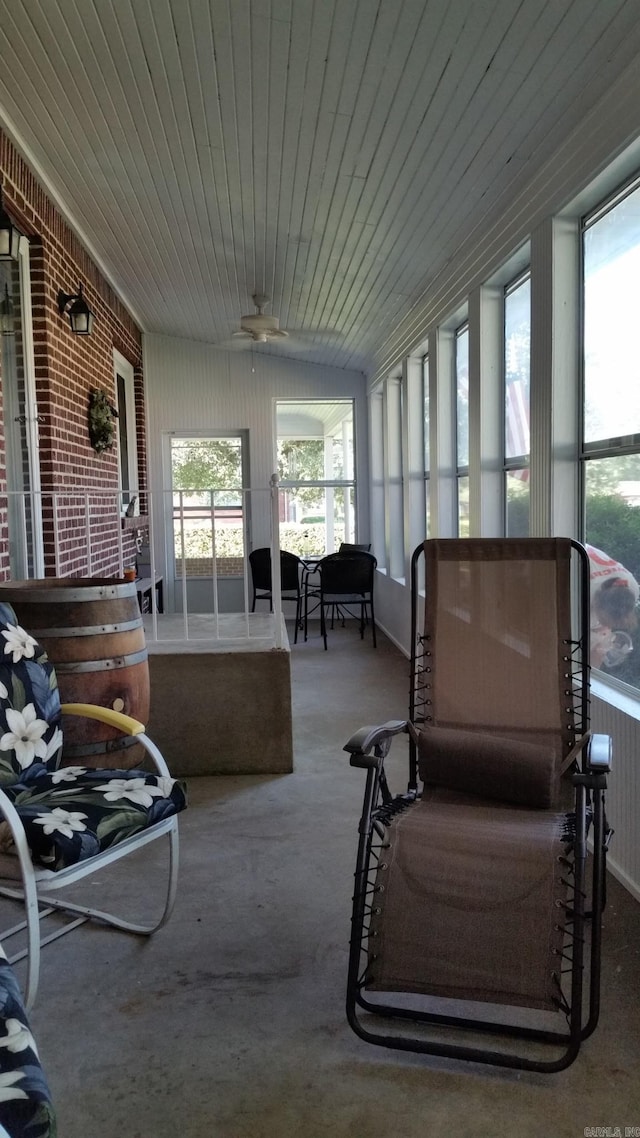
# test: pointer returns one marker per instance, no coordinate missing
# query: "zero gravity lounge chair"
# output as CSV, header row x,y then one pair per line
x,y
471,907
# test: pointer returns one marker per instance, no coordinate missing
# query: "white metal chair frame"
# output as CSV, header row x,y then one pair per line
x,y
33,878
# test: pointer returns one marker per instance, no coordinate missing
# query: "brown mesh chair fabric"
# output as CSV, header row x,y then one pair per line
x,y
473,885
497,621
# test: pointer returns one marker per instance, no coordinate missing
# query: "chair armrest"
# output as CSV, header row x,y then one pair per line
x,y
124,723
599,753
376,739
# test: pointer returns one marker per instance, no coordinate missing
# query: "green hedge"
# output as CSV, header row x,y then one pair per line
x,y
614,527
308,539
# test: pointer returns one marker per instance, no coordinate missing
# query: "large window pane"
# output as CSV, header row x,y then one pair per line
x,y
123,439
611,425
517,502
426,431
311,460
612,529
126,430
611,255
463,506
517,373
207,481
462,396
462,427
517,369
316,461
425,413
315,520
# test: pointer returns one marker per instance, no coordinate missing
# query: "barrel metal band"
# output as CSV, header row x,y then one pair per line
x,y
90,629
44,595
103,665
109,746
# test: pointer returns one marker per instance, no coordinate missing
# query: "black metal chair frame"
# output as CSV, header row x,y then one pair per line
x,y
346,587
291,569
368,749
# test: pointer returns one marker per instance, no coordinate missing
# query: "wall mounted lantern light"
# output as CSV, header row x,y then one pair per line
x,y
9,236
80,315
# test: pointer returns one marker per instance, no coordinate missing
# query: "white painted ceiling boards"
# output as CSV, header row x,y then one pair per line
x,y
332,154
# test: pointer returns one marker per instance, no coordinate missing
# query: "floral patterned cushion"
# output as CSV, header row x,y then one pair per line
x,y
74,813
26,1110
30,732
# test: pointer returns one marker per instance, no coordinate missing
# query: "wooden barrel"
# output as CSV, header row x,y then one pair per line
x,y
92,630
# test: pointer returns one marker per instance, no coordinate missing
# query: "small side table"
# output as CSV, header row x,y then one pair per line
x,y
144,586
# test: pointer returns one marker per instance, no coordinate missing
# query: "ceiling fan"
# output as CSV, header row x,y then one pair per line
x,y
259,327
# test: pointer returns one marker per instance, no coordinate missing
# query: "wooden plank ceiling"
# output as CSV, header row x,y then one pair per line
x,y
329,153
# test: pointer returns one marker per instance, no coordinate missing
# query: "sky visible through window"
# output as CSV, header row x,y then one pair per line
x,y
611,325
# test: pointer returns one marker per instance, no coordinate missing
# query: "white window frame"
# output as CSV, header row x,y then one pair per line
x,y
17,530
426,442
462,469
519,461
122,368
377,460
393,476
347,486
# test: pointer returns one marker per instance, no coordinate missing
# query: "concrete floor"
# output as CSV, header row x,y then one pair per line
x,y
229,1023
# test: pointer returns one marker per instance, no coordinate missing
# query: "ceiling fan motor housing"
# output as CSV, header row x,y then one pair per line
x,y
261,327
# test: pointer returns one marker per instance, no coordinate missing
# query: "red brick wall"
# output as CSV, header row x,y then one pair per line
x,y
4,529
67,367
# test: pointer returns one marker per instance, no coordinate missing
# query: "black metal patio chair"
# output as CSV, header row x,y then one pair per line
x,y
345,585
291,569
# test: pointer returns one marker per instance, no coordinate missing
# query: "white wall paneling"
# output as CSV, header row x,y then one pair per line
x,y
623,793
191,386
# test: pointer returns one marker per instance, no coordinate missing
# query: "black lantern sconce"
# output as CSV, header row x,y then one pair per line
x,y
80,315
9,236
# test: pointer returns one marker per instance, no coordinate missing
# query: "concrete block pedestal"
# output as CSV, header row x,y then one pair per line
x,y
221,708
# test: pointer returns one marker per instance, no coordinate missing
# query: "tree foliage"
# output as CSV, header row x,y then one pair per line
x,y
613,526
206,464
301,460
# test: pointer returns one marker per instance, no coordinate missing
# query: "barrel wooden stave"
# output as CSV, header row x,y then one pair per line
x,y
92,631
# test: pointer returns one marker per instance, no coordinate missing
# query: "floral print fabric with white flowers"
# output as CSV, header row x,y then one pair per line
x,y
68,813
67,819
18,643
26,1109
30,716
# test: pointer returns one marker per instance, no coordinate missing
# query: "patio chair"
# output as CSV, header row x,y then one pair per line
x,y
62,823
26,1105
471,904
344,585
349,547
291,571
